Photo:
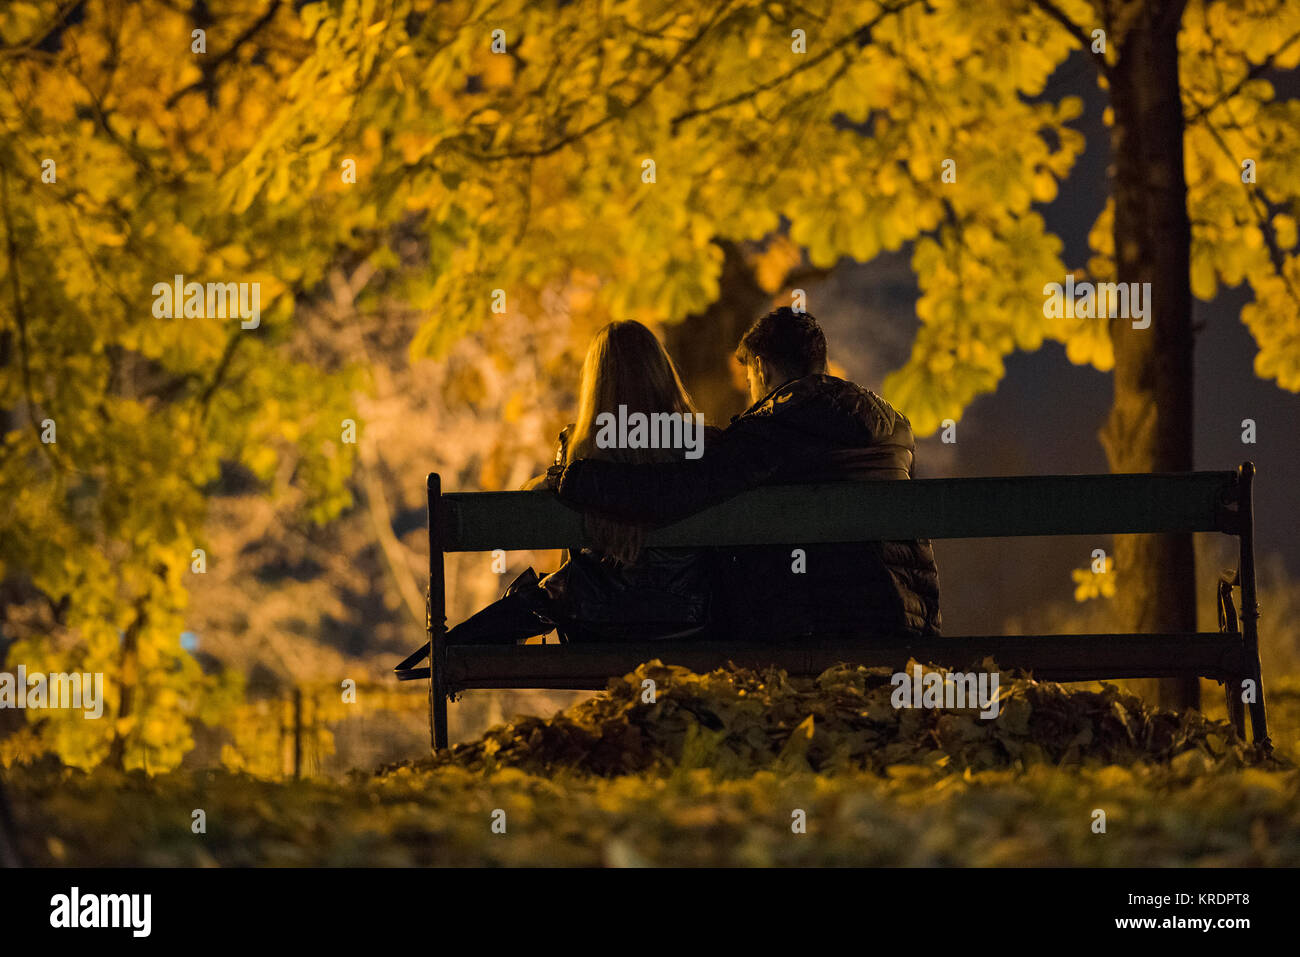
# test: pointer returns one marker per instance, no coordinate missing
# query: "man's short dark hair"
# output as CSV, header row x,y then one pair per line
x,y
790,341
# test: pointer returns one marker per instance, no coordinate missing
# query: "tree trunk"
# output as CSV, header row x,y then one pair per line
x,y
702,344
1150,424
129,679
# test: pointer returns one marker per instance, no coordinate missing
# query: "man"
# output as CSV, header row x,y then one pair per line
x,y
804,426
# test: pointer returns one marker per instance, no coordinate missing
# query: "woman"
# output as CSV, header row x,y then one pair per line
x,y
617,589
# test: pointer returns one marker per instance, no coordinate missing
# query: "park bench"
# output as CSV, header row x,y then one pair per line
x,y
871,511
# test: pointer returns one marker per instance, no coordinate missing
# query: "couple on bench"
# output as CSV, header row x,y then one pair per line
x,y
804,426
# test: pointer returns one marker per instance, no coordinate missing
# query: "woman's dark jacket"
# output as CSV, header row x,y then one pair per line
x,y
664,594
815,429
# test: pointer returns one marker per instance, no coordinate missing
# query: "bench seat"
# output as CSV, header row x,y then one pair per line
x,y
577,667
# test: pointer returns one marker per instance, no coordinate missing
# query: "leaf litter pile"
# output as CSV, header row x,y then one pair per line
x,y
736,721
711,772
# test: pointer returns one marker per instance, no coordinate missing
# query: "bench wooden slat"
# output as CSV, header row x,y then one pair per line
x,y
1007,507
1050,657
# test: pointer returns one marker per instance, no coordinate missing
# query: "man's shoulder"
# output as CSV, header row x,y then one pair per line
x,y
790,396
824,413
823,390
852,391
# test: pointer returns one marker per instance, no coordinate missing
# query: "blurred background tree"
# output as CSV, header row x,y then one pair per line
x,y
119,426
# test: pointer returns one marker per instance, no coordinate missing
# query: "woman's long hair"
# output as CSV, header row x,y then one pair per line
x,y
625,365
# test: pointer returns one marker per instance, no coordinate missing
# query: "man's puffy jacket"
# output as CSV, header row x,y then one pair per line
x,y
815,429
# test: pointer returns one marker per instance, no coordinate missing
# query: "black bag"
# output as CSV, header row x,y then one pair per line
x,y
664,596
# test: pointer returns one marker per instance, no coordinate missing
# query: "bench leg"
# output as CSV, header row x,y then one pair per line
x,y
1230,628
1236,709
1258,715
438,709
1250,606
437,620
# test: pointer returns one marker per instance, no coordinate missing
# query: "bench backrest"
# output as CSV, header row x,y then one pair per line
x,y
872,511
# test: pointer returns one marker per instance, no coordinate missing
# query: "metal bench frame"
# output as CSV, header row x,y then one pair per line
x,y
872,511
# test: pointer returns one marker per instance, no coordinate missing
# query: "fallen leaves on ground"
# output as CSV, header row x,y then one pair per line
x,y
735,721
714,772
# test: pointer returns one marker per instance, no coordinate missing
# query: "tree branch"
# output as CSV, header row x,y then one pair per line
x,y
1252,74
1074,30
20,318
219,375
210,68
591,127
860,34
34,43
1276,256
